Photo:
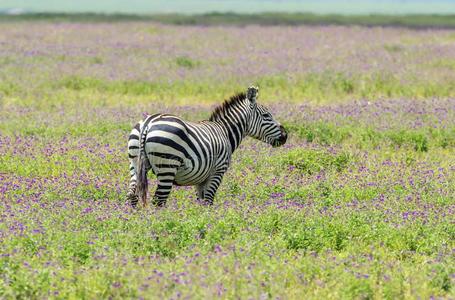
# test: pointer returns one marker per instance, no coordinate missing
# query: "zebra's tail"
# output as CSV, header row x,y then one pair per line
x,y
142,168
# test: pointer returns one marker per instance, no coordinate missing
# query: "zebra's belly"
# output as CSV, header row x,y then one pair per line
x,y
193,176
189,171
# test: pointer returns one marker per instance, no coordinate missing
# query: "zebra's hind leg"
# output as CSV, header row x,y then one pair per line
x,y
131,195
164,187
133,153
200,193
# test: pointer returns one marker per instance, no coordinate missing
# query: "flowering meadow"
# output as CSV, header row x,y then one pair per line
x,y
359,203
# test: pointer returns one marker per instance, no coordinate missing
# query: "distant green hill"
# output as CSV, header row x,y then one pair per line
x,y
412,21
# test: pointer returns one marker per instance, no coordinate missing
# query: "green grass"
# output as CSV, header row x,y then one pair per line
x,y
448,64
312,88
186,62
249,248
365,137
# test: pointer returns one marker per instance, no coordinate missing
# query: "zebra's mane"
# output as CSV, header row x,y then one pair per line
x,y
226,105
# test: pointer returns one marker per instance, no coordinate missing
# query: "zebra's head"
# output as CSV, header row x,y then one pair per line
x,y
262,125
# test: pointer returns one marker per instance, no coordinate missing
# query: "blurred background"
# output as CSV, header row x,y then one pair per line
x,y
318,51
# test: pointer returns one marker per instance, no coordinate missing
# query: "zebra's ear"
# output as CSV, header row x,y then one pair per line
x,y
252,94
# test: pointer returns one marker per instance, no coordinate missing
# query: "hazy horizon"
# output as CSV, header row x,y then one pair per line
x,y
245,6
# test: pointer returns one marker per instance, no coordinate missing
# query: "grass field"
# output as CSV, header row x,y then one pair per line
x,y
358,204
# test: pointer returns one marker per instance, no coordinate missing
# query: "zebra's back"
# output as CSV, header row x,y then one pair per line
x,y
187,149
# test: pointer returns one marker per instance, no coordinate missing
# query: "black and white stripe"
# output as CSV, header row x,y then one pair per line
x,y
187,153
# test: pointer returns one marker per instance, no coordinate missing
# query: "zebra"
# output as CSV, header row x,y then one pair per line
x,y
188,153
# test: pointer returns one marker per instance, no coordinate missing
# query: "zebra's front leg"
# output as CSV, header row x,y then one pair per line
x,y
208,190
164,187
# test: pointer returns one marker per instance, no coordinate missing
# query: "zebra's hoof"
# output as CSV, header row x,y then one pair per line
x,y
132,200
159,203
204,202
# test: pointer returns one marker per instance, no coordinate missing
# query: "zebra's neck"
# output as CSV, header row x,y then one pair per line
x,y
234,121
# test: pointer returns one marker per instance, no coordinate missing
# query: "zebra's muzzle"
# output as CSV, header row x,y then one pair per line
x,y
282,139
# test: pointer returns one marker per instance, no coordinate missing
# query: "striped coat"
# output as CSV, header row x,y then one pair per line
x,y
179,152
